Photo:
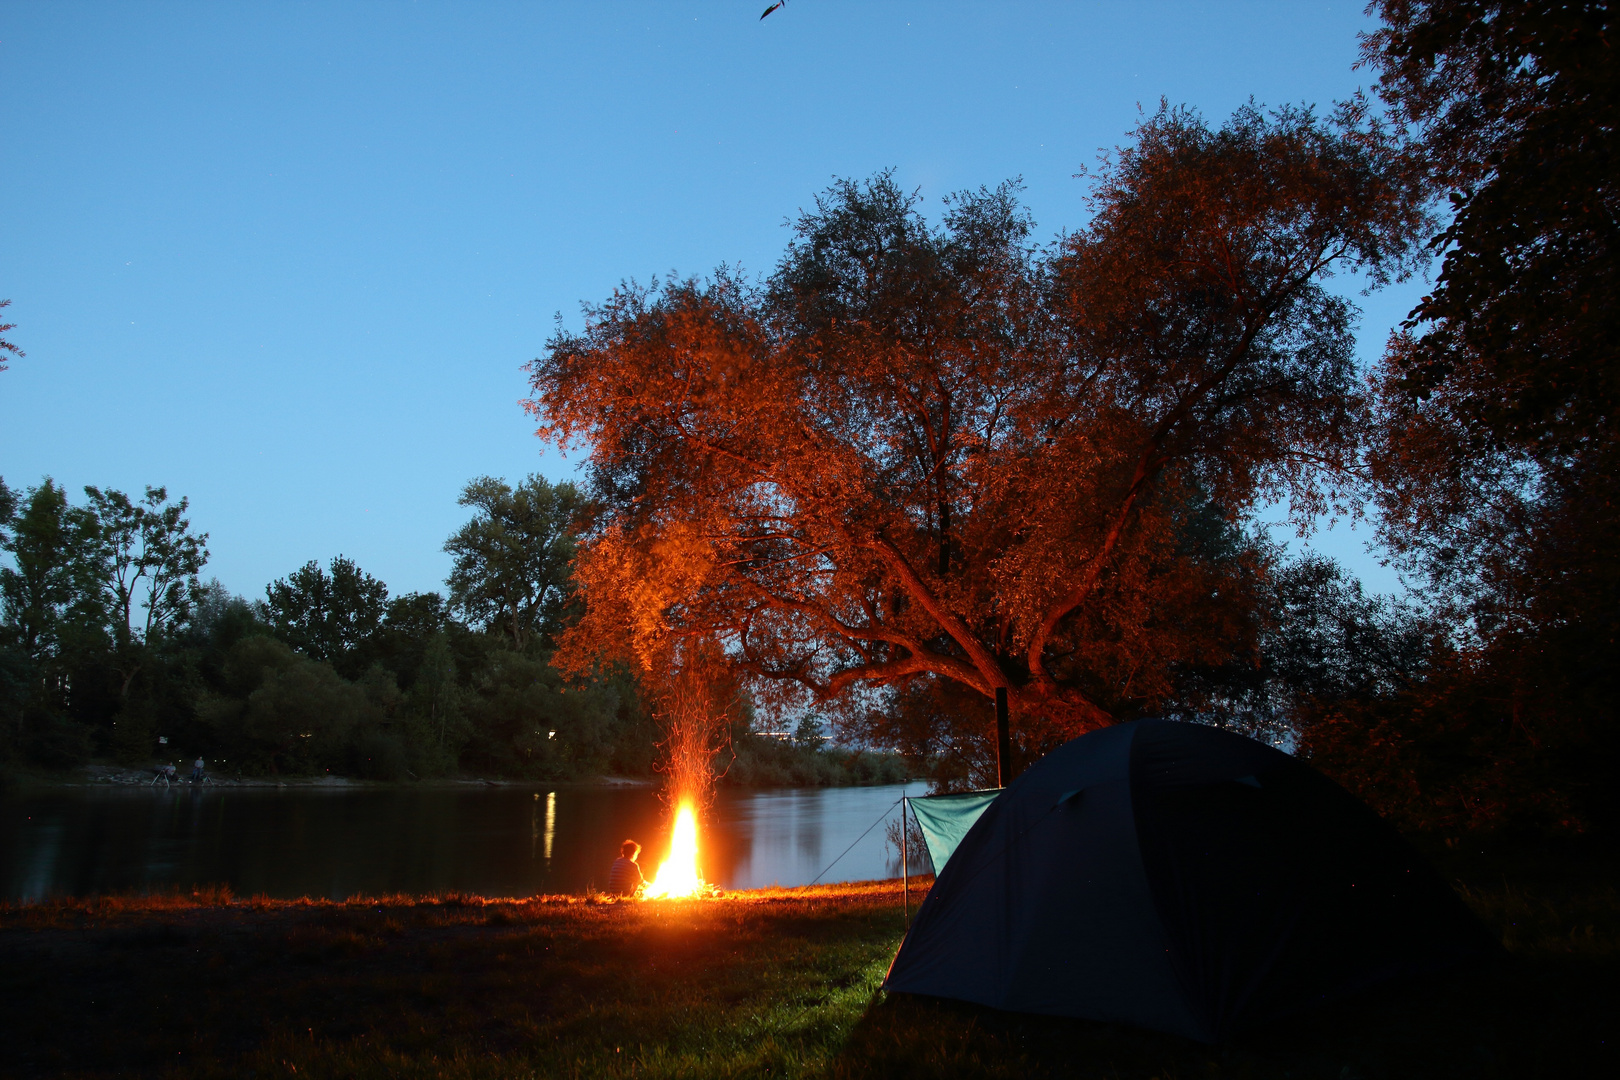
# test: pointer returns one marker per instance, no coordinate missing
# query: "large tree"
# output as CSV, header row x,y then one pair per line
x,y
1497,443
144,560
137,571
941,451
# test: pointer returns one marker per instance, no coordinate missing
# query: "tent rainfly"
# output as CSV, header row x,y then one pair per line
x,y
1181,878
946,819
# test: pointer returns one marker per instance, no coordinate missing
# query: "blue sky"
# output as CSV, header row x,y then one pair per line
x,y
289,259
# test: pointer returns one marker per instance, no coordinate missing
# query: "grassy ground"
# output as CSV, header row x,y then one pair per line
x,y
771,983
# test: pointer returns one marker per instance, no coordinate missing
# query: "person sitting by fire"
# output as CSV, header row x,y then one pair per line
x,y
625,878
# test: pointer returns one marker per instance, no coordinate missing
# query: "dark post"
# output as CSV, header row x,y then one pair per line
x,y
1004,771
905,870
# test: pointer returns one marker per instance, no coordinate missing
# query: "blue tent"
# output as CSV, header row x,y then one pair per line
x,y
1181,878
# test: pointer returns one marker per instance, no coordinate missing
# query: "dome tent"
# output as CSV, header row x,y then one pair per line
x,y
1182,878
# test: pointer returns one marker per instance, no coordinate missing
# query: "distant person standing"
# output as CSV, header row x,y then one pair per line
x,y
197,771
626,878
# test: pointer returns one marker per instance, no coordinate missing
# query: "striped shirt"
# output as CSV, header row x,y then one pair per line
x,y
626,877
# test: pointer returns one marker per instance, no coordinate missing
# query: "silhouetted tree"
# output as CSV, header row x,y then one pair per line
x,y
138,571
36,591
327,616
1516,104
146,561
512,573
1496,457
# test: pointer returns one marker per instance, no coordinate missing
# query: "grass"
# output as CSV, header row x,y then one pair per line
x,y
768,983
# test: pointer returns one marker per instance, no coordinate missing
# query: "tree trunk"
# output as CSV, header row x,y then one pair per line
x,y
1004,769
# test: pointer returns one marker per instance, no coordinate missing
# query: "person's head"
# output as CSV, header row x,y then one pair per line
x,y
630,849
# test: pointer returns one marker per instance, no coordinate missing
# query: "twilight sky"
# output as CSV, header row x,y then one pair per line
x,y
289,259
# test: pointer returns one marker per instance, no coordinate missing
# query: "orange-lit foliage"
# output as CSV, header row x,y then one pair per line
x,y
944,451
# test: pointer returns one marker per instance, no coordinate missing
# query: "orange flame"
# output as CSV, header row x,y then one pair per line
x,y
678,875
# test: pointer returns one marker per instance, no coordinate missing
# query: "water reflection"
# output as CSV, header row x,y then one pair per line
x,y
551,820
493,841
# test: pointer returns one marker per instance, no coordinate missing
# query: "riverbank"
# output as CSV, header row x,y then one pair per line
x,y
101,775
780,982
779,770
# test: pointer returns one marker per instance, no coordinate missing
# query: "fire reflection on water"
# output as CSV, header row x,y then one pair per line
x,y
332,842
535,833
551,820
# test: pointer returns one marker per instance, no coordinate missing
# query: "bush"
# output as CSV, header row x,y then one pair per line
x,y
58,743
526,719
379,756
282,712
766,762
133,735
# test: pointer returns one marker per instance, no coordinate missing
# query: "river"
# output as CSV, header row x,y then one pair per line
x,y
491,841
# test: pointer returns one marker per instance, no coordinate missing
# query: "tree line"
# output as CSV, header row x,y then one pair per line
x,y
110,641
925,465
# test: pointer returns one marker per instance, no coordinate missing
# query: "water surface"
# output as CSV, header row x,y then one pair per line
x,y
296,841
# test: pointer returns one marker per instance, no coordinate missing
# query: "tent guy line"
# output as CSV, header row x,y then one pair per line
x,y
881,818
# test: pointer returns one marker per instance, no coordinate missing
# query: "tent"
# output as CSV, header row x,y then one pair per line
x,y
1182,878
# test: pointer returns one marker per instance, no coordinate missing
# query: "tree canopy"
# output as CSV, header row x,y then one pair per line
x,y
944,451
1516,106
37,589
1496,430
326,616
143,560
513,562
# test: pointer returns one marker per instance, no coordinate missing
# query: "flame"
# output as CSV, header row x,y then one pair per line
x,y
678,874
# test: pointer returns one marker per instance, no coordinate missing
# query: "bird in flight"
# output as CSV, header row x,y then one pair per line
x,y
773,7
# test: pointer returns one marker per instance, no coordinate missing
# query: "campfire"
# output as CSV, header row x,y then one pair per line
x,y
678,875
695,729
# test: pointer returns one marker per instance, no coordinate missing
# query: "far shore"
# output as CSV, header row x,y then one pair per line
x,y
105,776
121,776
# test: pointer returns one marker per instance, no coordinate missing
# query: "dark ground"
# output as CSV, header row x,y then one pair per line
x,y
776,983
